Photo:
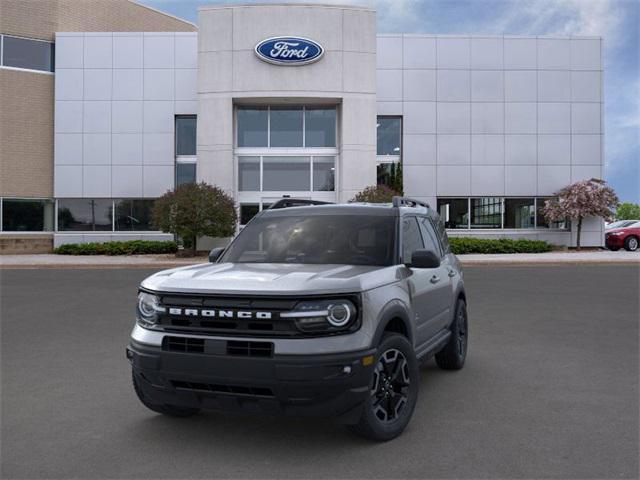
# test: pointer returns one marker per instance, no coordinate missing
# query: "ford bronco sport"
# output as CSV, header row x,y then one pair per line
x,y
314,310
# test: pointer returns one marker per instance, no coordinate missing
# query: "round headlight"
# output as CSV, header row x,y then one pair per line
x,y
339,314
148,308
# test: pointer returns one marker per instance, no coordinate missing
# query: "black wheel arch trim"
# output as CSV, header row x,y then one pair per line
x,y
391,311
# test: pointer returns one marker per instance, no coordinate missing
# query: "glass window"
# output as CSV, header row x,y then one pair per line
x,y
26,215
316,239
411,238
390,174
324,169
519,213
25,53
252,126
286,174
84,215
389,131
185,173
134,215
486,212
454,212
186,135
249,174
285,125
248,211
320,127
542,222
429,236
442,234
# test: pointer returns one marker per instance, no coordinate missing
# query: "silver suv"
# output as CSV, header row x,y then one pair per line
x,y
321,310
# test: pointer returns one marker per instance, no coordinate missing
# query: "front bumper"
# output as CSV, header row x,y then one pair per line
x,y
332,385
614,241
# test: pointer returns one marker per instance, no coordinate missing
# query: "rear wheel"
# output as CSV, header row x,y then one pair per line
x,y
393,391
631,244
454,353
169,410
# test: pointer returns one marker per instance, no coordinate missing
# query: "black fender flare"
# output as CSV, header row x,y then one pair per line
x,y
393,309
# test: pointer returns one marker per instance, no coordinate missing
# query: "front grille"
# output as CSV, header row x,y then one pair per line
x,y
233,315
225,389
250,349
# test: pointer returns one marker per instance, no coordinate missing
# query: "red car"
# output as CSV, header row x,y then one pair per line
x,y
627,237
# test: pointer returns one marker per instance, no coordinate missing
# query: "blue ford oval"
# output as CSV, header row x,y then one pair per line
x,y
289,50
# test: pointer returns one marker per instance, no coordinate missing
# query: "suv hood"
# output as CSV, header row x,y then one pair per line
x,y
272,278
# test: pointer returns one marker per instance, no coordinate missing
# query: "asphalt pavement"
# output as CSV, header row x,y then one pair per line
x,y
550,390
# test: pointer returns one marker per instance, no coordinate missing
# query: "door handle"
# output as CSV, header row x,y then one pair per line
x,y
435,279
452,273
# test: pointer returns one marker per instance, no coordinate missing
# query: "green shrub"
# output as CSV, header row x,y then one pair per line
x,y
131,247
460,245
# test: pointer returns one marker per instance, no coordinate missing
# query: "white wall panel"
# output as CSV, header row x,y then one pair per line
x,y
520,53
487,117
126,181
487,149
520,118
585,118
453,85
126,117
487,180
419,117
453,52
554,86
419,149
97,84
586,54
69,50
68,84
96,117
158,51
389,52
487,85
389,85
158,149
585,86
453,180
554,118
128,84
586,150
126,149
67,181
554,54
520,149
419,52
521,85
454,149
157,180
98,51
520,180
487,53
127,51
454,117
96,149
68,116
553,178
419,85
158,117
158,84
96,181
68,149
554,149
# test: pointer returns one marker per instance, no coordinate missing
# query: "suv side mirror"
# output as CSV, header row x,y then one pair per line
x,y
424,259
214,254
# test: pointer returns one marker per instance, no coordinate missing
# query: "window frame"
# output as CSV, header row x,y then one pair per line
x,y
22,69
51,201
268,146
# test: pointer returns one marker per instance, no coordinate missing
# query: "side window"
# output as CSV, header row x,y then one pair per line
x,y
429,235
444,239
411,238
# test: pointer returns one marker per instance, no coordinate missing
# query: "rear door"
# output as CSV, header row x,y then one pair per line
x,y
445,273
425,284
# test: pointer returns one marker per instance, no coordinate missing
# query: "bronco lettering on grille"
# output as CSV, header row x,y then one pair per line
x,y
193,312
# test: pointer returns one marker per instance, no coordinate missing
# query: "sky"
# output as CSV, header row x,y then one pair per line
x,y
617,21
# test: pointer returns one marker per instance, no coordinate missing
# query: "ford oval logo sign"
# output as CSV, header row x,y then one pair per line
x,y
289,50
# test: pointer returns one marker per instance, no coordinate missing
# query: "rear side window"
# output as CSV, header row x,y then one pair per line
x,y
411,238
430,237
442,233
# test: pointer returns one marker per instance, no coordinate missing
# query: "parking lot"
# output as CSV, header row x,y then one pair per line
x,y
550,390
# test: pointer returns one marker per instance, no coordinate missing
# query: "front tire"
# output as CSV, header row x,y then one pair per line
x,y
169,410
631,244
393,391
454,353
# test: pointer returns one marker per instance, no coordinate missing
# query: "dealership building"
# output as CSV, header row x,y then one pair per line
x,y
112,104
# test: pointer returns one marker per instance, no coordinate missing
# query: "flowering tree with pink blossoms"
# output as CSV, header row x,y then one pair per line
x,y
586,198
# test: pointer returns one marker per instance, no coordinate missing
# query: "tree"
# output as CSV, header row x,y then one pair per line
x,y
586,198
375,194
194,210
628,211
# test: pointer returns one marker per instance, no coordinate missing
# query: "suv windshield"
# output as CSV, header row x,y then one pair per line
x,y
316,239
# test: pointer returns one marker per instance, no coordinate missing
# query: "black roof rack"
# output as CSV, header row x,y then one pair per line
x,y
408,202
295,202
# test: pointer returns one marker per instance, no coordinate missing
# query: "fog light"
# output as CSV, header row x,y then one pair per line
x,y
368,360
